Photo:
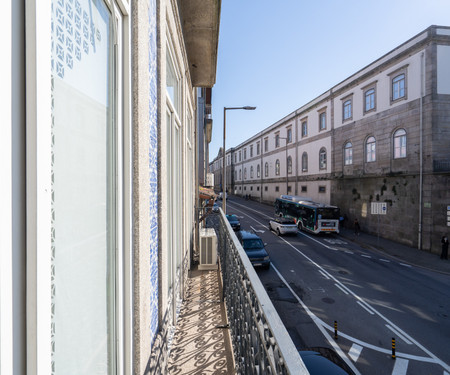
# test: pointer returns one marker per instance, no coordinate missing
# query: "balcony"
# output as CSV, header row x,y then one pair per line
x,y
227,323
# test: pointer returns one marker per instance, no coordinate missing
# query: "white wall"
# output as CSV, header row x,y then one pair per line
x,y
443,69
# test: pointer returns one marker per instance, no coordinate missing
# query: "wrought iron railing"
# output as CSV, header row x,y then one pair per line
x,y
261,343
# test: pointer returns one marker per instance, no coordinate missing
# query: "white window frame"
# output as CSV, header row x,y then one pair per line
x,y
371,149
348,153
399,149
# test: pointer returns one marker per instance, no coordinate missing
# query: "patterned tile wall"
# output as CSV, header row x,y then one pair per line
x,y
153,168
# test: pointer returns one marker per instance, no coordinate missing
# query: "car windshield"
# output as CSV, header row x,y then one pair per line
x,y
231,217
286,221
253,243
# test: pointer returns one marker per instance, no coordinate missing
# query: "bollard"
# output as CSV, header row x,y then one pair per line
x,y
335,330
393,348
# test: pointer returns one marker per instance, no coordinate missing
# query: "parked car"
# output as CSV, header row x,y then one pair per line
x,y
321,361
283,225
254,248
234,222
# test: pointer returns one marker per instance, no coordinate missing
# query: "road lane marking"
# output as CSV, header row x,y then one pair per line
x,y
342,289
405,265
355,352
385,260
400,367
365,307
324,275
399,335
257,230
366,256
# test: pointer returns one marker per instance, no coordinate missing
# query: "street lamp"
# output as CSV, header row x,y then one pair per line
x,y
287,177
224,181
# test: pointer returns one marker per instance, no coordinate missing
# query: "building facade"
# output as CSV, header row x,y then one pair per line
x,y
99,167
379,136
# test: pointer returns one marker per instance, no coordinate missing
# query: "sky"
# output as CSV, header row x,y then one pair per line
x,y
278,55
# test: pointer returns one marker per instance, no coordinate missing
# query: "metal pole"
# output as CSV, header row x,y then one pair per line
x,y
287,176
224,173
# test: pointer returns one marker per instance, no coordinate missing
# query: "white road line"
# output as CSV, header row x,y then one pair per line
x,y
343,290
385,260
405,265
349,252
324,275
365,307
400,367
397,334
355,351
366,256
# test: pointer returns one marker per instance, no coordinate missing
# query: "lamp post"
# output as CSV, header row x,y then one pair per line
x,y
224,154
287,176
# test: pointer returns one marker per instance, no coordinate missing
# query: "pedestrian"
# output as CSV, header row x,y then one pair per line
x,y
444,253
356,227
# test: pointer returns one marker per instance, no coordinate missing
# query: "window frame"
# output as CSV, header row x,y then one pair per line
x,y
304,127
366,91
403,71
266,169
277,167
289,164
305,162
348,153
347,109
289,134
322,115
322,158
399,134
277,140
370,152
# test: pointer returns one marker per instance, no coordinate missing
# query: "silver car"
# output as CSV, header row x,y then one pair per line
x,y
283,225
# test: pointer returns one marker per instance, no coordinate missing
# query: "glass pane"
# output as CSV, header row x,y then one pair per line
x,y
83,209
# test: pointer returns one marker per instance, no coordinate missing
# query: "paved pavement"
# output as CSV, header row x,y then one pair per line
x,y
401,253
202,345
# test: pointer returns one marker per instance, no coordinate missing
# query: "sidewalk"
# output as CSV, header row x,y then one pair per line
x,y
200,345
401,253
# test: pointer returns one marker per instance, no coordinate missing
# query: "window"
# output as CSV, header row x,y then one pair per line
x,y
304,189
258,171
251,151
289,165
257,188
399,87
266,144
235,158
347,109
265,188
251,171
370,149
258,148
245,173
289,189
251,188
266,169
235,175
277,167
289,135
369,100
240,156
304,128
245,154
277,188
304,162
322,189
322,121
322,158
400,144
348,154
277,140
240,174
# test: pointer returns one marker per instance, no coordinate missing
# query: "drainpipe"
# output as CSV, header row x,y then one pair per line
x,y
419,244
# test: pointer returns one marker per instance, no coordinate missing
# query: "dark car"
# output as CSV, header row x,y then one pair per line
x,y
254,248
234,222
320,361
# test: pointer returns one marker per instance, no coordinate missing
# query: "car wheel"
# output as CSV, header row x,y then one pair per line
x,y
300,226
278,232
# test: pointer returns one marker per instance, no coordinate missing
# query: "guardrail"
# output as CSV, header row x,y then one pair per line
x,y
261,343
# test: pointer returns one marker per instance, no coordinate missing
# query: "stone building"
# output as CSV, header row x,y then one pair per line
x,y
380,136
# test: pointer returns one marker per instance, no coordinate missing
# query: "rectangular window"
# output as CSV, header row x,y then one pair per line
x,y
304,128
369,100
347,110
277,140
304,189
258,148
245,154
265,188
398,87
322,189
266,144
240,156
277,188
289,135
289,189
322,121
251,151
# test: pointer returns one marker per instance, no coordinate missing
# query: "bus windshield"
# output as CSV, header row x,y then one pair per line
x,y
328,213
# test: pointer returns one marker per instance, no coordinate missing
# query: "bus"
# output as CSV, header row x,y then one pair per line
x,y
308,215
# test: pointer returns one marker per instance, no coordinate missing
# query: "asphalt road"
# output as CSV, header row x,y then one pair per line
x,y
315,281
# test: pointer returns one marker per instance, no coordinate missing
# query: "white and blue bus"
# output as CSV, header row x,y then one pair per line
x,y
308,215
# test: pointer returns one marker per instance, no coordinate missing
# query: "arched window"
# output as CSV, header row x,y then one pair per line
x,y
323,158
400,144
245,173
251,171
258,171
277,167
371,149
305,162
289,165
266,169
348,154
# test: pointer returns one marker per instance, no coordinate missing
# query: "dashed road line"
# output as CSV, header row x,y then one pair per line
x,y
355,352
398,334
405,265
385,260
400,366
324,275
342,289
365,307
366,256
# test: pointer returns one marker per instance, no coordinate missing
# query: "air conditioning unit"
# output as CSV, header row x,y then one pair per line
x,y
209,180
208,249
